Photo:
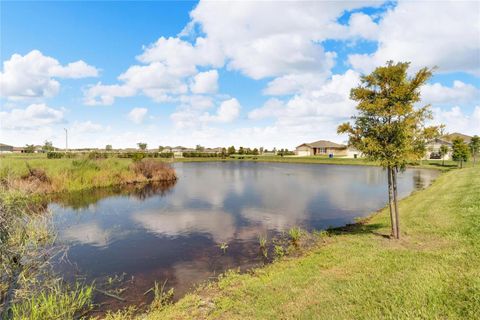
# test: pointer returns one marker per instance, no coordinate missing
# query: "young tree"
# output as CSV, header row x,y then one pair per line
x,y
47,146
29,148
231,150
261,150
388,128
241,150
474,147
161,148
460,151
108,147
142,146
199,148
443,152
255,151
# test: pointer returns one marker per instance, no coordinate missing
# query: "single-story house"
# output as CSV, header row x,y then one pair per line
x,y
433,146
353,153
433,149
321,147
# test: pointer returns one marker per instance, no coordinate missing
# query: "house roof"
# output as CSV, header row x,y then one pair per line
x,y
323,144
455,135
5,145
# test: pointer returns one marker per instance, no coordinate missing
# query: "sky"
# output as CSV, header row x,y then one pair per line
x,y
250,73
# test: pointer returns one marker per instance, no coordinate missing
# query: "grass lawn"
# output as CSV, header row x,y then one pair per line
x,y
433,272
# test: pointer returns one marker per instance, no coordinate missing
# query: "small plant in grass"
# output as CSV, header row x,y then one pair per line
x,y
223,246
321,233
295,234
161,297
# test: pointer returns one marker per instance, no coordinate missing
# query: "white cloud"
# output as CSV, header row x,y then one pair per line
x,y
460,92
33,116
445,34
457,120
261,44
227,112
192,115
100,94
362,25
310,115
256,43
272,108
86,127
34,75
167,66
205,82
137,115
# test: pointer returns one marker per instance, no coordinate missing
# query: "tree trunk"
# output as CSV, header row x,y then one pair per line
x,y
443,161
390,202
395,201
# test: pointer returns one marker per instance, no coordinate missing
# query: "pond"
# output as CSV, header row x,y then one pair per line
x,y
173,232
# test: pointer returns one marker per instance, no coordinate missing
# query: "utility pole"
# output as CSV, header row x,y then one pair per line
x,y
66,139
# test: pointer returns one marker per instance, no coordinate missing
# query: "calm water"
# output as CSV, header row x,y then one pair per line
x,y
173,231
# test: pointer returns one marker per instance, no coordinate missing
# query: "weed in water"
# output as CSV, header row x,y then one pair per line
x,y
295,234
223,246
262,241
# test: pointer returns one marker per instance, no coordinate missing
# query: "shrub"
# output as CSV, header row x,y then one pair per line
x,y
55,155
154,170
200,155
97,155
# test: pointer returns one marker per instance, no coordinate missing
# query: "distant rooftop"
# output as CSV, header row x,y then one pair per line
x,y
323,144
455,135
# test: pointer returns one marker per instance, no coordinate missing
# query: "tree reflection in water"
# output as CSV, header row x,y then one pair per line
x,y
85,198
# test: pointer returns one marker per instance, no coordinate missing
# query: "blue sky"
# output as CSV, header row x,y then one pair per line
x,y
243,73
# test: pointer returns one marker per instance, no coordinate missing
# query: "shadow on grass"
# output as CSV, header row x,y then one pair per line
x,y
436,164
362,227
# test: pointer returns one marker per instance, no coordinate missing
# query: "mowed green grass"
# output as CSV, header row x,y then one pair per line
x,y
433,272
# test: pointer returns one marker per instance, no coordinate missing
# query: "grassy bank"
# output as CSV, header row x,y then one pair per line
x,y
62,175
431,273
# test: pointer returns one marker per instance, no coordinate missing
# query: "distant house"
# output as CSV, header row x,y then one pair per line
x,y
5,148
433,146
321,147
353,153
19,150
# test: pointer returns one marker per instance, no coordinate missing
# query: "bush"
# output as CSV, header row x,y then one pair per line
x,y
55,155
154,170
200,155
97,155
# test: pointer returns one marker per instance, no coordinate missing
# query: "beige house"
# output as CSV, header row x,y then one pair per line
x,y
433,146
321,147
